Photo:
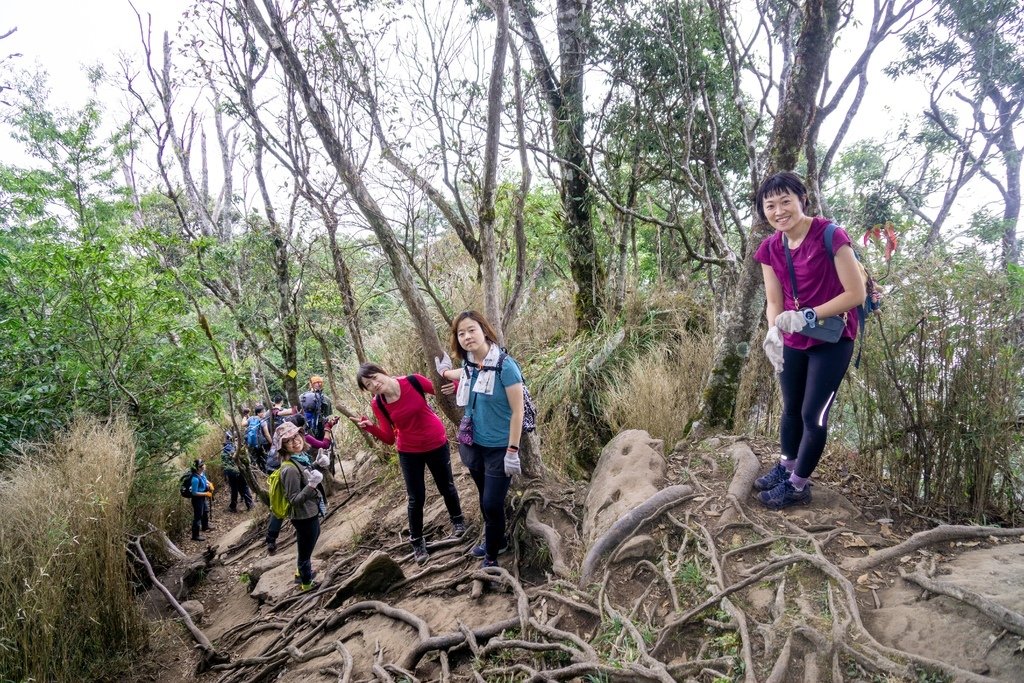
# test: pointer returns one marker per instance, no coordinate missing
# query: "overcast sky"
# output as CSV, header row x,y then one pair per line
x,y
64,36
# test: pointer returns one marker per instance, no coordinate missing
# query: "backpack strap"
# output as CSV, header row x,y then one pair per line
x,y
379,400
416,385
830,231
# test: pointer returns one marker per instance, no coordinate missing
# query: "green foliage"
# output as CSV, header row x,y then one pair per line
x,y
87,323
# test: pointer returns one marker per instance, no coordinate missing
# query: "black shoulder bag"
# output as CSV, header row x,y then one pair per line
x,y
828,329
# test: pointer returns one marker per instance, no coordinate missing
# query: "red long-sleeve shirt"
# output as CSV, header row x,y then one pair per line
x,y
415,428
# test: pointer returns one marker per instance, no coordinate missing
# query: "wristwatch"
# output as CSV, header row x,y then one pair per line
x,y
810,316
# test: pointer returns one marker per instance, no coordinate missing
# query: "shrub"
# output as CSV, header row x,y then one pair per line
x,y
938,394
66,604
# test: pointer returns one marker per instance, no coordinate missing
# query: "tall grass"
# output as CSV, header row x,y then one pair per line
x,y
67,611
659,389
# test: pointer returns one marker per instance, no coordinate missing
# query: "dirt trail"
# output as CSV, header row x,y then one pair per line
x,y
711,587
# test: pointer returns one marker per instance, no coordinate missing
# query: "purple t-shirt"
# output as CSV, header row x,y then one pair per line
x,y
816,278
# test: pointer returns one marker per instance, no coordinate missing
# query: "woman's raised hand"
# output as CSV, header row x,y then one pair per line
x,y
362,421
443,363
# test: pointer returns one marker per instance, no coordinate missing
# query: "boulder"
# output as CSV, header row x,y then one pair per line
x,y
375,575
630,470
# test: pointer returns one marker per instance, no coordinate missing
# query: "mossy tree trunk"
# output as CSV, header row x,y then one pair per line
x,y
739,321
564,95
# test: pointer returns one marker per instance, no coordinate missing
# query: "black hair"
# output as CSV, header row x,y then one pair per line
x,y
780,183
367,370
197,465
489,334
298,420
277,398
259,408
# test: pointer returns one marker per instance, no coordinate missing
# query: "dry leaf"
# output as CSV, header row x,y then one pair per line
x,y
855,542
863,579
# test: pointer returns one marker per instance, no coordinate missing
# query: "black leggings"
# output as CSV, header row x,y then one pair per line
x,y
439,462
486,466
307,531
809,382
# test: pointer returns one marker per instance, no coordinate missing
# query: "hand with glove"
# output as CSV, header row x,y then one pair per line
x,y
313,479
773,348
323,460
790,321
512,464
443,364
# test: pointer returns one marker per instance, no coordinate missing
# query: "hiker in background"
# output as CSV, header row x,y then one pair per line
x,y
237,483
315,407
202,493
805,286
300,485
255,440
277,415
491,390
321,462
404,418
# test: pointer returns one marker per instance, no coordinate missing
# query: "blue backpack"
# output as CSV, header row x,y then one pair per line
x,y
252,432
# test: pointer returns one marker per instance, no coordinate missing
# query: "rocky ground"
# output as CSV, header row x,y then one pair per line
x,y
663,569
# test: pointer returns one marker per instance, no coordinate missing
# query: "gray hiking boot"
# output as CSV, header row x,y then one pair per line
x,y
458,529
419,551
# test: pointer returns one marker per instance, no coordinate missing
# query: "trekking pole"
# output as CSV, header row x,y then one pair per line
x,y
343,477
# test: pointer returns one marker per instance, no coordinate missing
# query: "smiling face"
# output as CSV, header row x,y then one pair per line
x,y
784,211
294,443
471,337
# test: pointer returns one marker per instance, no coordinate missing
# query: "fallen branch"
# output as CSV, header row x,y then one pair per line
x,y
210,655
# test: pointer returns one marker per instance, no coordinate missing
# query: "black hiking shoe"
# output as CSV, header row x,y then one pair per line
x,y
419,551
271,549
199,538
488,563
784,495
775,476
458,529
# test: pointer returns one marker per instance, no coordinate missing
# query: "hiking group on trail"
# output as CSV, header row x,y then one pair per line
x,y
817,296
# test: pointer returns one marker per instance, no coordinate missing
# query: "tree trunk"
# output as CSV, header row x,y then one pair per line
x,y
348,171
492,293
565,100
740,319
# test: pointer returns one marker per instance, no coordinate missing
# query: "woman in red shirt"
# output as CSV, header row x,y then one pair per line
x,y
403,418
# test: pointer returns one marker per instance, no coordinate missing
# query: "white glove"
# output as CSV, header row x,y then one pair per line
x,y
323,460
790,321
773,348
443,363
313,479
512,465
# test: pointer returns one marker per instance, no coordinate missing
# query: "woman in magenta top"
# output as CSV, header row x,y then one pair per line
x,y
404,418
810,370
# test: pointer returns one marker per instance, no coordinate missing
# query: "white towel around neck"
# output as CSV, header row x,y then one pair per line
x,y
484,380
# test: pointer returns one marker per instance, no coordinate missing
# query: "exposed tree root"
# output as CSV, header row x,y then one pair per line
x,y
627,525
1005,618
946,532
551,540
